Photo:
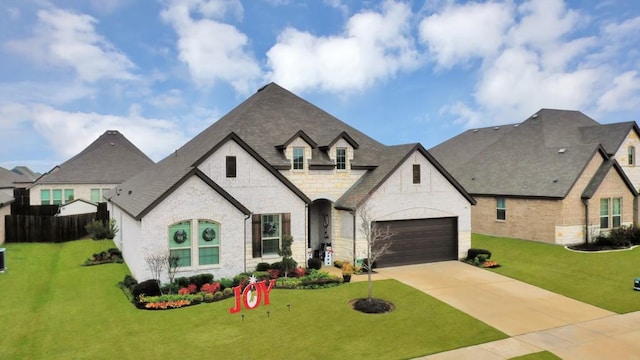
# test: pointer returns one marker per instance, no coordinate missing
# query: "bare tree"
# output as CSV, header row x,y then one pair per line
x,y
172,262
156,262
378,240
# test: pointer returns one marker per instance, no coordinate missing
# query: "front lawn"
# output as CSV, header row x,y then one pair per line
x,y
601,279
52,307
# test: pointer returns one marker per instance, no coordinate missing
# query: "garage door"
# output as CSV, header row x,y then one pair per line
x,y
421,241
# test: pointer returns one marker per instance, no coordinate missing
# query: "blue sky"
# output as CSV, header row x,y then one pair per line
x,y
402,72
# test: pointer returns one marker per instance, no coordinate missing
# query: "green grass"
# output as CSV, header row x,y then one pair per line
x,y
601,279
542,355
51,307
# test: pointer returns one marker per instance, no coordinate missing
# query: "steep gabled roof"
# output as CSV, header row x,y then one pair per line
x,y
601,174
9,179
540,157
262,125
110,159
390,160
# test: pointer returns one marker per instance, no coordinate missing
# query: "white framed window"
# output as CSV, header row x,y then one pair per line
x,y
180,242
341,158
501,208
45,197
610,213
298,158
208,242
271,233
57,196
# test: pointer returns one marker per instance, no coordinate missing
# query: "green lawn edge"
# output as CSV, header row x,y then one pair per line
x,y
61,310
602,279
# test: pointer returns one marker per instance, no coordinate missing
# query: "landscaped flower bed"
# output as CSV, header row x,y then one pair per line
x,y
201,288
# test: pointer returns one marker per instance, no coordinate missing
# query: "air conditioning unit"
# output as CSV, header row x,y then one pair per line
x,y
2,260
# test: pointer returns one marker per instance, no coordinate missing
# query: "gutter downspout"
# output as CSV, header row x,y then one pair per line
x,y
353,213
585,202
306,246
244,257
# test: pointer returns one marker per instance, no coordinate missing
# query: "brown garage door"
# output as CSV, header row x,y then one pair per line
x,y
421,241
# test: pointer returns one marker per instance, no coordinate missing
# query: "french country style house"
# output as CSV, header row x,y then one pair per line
x,y
277,165
558,177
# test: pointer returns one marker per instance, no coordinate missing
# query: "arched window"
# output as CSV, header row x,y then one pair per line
x,y
208,242
180,242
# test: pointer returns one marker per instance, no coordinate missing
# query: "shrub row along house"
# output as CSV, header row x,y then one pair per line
x,y
277,165
558,177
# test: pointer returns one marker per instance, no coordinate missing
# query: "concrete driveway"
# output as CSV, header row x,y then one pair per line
x,y
536,319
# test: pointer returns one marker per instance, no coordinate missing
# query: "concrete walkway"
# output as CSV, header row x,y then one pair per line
x,y
536,319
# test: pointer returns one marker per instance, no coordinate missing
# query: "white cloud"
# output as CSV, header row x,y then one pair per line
x,y
374,47
517,84
462,32
540,54
70,132
213,51
624,94
69,40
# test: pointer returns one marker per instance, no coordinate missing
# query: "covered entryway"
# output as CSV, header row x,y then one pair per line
x,y
421,241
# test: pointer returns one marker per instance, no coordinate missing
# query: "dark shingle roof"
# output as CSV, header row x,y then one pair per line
x,y
262,124
111,159
9,179
540,157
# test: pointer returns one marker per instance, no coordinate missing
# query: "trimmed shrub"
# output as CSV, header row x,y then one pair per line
x,y
288,265
227,292
218,295
276,265
315,263
129,281
263,266
182,282
146,288
201,279
226,283
473,253
208,297
262,275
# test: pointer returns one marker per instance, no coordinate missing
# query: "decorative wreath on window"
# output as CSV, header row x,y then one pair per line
x,y
269,228
209,234
180,236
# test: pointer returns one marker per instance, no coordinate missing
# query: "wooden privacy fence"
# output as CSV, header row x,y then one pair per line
x,y
37,228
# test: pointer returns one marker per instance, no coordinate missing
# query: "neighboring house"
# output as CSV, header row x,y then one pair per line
x,y
557,177
10,180
277,165
105,163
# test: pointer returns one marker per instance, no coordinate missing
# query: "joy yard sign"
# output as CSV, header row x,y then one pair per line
x,y
252,294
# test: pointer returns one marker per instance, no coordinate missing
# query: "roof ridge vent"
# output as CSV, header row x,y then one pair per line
x,y
534,116
562,151
496,128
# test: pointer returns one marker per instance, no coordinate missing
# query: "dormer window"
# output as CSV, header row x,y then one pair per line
x,y
298,158
341,158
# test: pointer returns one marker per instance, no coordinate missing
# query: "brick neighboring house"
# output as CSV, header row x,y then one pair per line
x,y
558,177
105,163
278,165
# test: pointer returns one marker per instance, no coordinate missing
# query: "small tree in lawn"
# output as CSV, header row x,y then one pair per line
x,y
156,262
172,261
285,252
378,239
